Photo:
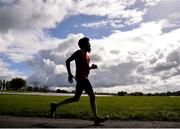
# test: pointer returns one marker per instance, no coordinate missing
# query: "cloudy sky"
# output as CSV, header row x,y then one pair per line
x,y
135,43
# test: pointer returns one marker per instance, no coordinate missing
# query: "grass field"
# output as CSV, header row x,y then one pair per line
x,y
122,108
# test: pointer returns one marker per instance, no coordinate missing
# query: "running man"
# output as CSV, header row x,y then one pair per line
x,y
82,61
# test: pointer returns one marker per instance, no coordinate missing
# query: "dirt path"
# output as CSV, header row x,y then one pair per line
x,y
33,122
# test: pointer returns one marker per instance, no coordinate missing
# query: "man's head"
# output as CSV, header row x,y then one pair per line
x,y
84,44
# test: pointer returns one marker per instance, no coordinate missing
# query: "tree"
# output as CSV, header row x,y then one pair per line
x,y
122,93
61,91
4,84
137,94
1,85
8,85
17,83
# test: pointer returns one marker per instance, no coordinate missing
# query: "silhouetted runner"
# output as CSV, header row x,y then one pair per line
x,y
82,61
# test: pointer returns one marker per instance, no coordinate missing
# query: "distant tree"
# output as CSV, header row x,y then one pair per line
x,y
35,83
4,84
137,94
44,89
169,93
17,83
122,93
1,85
73,91
8,85
61,91
149,94
177,93
29,88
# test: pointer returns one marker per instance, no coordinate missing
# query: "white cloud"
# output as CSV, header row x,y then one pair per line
x,y
22,23
108,8
149,3
171,22
167,10
95,24
46,14
150,56
133,16
24,14
114,9
114,23
7,74
60,69
48,66
21,45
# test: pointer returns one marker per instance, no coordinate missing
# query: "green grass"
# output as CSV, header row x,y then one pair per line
x,y
122,108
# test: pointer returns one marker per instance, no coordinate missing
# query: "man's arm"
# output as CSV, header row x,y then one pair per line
x,y
93,66
70,76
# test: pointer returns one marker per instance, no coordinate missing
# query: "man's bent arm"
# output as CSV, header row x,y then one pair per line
x,y
70,76
68,66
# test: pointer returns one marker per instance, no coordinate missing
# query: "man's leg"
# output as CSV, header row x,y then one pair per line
x,y
89,91
93,103
55,105
67,101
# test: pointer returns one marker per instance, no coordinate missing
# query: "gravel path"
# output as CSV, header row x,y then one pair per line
x,y
34,122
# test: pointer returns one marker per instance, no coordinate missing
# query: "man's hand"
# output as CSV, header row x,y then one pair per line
x,y
70,78
93,66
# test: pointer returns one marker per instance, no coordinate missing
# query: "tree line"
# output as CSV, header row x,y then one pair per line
x,y
168,93
14,84
20,84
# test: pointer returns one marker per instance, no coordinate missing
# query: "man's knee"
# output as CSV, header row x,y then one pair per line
x,y
76,98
